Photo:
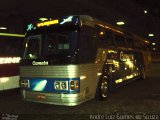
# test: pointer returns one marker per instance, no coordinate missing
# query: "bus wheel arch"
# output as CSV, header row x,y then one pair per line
x,y
102,88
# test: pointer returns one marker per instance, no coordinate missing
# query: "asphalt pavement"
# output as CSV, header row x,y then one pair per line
x,y
138,100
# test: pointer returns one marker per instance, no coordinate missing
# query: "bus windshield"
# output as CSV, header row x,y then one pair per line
x,y
53,46
57,43
32,45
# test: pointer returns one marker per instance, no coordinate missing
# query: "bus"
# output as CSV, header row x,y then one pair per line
x,y
73,59
10,52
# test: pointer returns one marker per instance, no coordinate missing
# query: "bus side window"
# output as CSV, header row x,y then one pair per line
x,y
137,44
130,43
109,38
101,36
120,40
146,46
88,44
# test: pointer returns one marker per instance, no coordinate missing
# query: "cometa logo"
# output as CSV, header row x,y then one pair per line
x,y
9,60
40,63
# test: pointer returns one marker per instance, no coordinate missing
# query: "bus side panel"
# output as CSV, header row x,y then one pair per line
x,y
9,75
147,60
11,82
1,86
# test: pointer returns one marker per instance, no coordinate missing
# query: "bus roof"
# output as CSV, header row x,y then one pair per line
x,y
85,20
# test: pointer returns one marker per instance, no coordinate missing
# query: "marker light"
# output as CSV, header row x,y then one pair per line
x,y
119,81
43,19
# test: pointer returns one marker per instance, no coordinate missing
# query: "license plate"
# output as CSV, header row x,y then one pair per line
x,y
41,97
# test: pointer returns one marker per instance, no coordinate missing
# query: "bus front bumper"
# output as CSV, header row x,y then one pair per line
x,y
54,98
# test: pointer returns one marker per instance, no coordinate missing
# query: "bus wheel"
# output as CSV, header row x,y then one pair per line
x,y
143,73
102,91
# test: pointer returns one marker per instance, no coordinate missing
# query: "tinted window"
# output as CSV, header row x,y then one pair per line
x,y
120,40
10,46
130,43
32,47
105,37
88,44
57,43
109,38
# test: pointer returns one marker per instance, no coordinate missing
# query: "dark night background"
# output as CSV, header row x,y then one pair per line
x,y
141,97
16,14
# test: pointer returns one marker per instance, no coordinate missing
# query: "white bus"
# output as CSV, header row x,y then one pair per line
x,y
73,59
10,51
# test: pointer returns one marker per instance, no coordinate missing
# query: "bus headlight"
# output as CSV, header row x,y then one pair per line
x,y
57,85
61,85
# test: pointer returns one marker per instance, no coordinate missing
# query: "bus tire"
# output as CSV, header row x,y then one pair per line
x,y
102,89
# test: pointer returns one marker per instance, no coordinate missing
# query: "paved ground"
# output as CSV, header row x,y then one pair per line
x,y
136,100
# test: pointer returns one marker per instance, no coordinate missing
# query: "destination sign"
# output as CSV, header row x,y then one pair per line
x,y
9,60
48,22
